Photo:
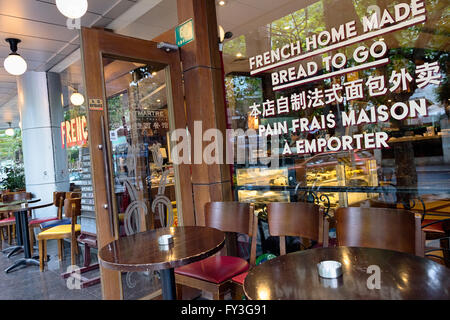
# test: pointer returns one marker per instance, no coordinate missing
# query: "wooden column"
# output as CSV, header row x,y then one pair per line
x,y
111,280
204,94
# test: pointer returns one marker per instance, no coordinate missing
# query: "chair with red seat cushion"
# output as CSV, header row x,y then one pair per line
x,y
214,273
9,221
215,269
297,219
239,279
438,230
434,226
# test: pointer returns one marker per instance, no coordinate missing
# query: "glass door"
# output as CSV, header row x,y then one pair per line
x,y
143,174
135,102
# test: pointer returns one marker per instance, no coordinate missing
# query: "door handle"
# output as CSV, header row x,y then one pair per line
x,y
108,205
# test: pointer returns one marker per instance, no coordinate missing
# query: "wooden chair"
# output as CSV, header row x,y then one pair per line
x,y
49,222
391,229
72,209
73,195
297,219
214,274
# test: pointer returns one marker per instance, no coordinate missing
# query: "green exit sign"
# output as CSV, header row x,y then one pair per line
x,y
184,33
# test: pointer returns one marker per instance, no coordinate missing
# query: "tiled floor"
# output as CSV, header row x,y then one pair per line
x,y
31,284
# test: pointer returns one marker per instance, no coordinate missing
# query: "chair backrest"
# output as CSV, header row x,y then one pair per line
x,y
392,229
233,217
58,198
73,195
58,201
17,196
297,219
72,207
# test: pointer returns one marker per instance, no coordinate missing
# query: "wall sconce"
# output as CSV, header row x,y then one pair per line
x,y
222,36
72,9
14,64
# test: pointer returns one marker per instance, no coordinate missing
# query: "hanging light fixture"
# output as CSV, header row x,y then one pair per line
x,y
77,98
10,131
73,9
14,64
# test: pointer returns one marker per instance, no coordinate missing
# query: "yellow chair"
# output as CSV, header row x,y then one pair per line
x,y
72,209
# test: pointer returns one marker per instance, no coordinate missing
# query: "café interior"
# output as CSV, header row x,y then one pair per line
x,y
224,150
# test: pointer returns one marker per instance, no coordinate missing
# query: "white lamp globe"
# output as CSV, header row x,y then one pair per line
x,y
221,34
10,132
15,64
77,99
73,9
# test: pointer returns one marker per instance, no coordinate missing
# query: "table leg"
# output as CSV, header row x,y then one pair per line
x,y
24,236
22,262
168,284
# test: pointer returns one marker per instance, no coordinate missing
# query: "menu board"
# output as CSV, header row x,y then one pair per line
x,y
88,224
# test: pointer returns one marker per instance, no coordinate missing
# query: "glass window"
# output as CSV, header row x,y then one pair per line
x,y
349,100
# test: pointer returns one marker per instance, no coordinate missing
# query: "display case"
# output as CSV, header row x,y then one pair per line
x,y
264,179
340,169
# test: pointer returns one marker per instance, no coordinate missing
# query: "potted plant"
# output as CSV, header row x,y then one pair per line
x,y
13,178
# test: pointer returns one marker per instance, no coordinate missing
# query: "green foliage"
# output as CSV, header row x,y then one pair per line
x,y
116,111
9,146
14,178
235,46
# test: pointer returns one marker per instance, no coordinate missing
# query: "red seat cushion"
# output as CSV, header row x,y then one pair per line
x,y
10,219
240,278
437,227
41,220
216,269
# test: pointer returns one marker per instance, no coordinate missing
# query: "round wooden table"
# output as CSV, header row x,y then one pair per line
x,y
295,277
141,252
23,236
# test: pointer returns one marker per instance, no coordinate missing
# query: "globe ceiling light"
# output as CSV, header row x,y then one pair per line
x,y
14,64
10,131
73,9
77,99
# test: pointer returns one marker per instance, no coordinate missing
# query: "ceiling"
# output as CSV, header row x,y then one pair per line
x,y
47,42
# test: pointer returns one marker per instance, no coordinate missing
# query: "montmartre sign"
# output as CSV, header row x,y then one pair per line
x,y
403,15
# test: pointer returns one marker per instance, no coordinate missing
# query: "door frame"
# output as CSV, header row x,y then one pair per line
x,y
95,43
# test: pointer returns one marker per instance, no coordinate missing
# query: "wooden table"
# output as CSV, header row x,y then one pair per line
x,y
23,235
294,276
141,252
19,202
